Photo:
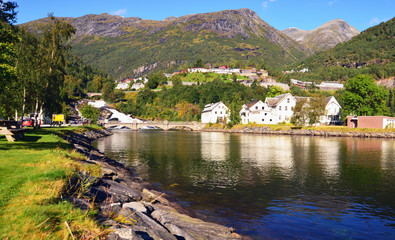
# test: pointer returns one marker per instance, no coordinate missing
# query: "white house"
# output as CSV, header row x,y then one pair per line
x,y
137,86
123,85
256,112
273,111
215,112
332,112
281,107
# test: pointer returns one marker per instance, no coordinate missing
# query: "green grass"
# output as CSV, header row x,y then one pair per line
x,y
289,126
34,173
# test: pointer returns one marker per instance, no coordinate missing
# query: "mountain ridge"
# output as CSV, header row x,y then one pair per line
x,y
325,36
126,46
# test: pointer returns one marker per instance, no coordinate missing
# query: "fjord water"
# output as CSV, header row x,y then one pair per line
x,y
269,186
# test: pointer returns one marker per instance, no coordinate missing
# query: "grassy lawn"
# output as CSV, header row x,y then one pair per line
x,y
34,174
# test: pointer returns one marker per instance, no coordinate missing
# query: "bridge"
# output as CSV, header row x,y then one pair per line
x,y
165,125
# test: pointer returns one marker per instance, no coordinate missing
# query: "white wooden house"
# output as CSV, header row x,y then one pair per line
x,y
281,107
256,112
215,112
273,111
332,112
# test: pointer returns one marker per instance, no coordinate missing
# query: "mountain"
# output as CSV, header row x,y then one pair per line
x,y
134,46
325,36
371,52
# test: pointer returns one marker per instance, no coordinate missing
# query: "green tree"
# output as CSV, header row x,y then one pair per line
x,y
316,109
199,63
7,11
108,92
8,39
363,97
89,112
274,91
300,115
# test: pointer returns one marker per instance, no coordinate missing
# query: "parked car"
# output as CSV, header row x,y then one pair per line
x,y
27,122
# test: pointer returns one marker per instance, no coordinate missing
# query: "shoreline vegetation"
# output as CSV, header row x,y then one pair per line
x,y
289,129
56,185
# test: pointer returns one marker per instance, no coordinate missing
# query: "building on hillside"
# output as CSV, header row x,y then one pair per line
x,y
124,84
248,72
215,112
281,107
380,122
263,73
137,86
256,112
330,86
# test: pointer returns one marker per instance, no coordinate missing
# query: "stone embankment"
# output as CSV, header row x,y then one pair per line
x,y
129,205
303,132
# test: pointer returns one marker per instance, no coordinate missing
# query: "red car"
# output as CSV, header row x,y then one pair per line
x,y
27,122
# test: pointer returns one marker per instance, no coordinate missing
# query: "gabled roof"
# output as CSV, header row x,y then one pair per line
x,y
272,102
252,103
328,99
211,106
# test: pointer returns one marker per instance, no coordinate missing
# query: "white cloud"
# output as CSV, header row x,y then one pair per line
x,y
120,12
332,2
375,20
265,4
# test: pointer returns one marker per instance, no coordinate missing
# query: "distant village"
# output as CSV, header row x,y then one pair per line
x,y
274,110
261,76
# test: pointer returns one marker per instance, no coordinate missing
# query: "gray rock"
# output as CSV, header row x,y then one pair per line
x,y
192,228
154,229
135,207
124,233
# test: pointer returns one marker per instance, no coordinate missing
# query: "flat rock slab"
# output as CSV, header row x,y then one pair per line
x,y
135,207
192,228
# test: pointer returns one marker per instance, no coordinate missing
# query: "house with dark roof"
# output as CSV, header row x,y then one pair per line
x,y
215,112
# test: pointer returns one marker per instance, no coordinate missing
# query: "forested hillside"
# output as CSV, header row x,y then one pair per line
x,y
132,46
371,52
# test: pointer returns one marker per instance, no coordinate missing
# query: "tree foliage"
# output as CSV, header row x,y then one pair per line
x,y
90,112
364,98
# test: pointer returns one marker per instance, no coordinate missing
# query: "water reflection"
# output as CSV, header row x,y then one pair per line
x,y
271,186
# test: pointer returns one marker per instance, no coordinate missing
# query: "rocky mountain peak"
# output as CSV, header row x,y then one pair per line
x,y
325,36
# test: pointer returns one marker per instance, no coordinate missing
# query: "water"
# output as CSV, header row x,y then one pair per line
x,y
271,187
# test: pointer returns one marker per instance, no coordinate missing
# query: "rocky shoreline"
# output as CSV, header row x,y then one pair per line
x,y
302,132
131,207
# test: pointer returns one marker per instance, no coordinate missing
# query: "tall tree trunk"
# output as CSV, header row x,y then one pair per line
x,y
23,103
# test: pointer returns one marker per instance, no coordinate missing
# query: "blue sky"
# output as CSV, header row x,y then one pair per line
x,y
281,14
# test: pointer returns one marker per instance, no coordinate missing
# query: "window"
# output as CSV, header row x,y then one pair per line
x,y
270,120
279,108
215,112
286,108
220,112
263,120
279,117
256,107
263,108
288,100
265,114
